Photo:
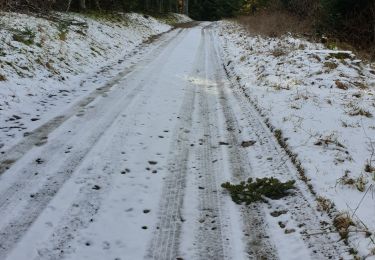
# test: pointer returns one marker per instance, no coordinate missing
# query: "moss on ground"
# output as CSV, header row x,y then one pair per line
x,y
25,36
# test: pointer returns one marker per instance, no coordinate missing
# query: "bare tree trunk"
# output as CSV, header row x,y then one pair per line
x,y
160,6
69,4
97,5
82,4
147,5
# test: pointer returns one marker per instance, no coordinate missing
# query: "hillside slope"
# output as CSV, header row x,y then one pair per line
x,y
48,62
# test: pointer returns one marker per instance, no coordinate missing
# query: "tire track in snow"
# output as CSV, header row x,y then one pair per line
x,y
75,220
258,243
209,237
17,199
166,239
38,136
271,158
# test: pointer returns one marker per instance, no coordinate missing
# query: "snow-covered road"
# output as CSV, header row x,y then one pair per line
x,y
133,170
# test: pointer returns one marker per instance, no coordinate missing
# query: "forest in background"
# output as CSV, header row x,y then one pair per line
x,y
146,6
349,21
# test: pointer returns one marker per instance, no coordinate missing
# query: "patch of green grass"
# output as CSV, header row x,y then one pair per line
x,y
25,36
167,18
254,191
332,45
63,29
340,55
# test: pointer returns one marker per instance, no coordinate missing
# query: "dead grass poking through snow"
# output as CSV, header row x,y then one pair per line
x,y
358,183
358,111
324,204
341,85
330,65
342,223
278,52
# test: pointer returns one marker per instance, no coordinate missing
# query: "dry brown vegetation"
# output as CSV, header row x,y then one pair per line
x,y
275,24
342,223
348,25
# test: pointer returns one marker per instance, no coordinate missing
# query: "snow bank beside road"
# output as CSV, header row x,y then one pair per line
x,y
323,102
45,62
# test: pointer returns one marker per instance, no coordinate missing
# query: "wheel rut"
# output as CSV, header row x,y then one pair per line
x,y
73,153
165,243
258,244
268,159
37,185
209,236
38,136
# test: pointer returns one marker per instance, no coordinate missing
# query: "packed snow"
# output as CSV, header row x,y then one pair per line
x,y
48,62
323,102
117,132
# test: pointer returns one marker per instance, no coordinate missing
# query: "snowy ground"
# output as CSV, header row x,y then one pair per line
x,y
133,143
323,102
49,63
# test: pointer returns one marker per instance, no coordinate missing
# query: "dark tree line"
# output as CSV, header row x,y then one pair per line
x,y
198,9
148,6
352,21
214,9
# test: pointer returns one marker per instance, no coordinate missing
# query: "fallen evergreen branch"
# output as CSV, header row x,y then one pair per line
x,y
254,191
